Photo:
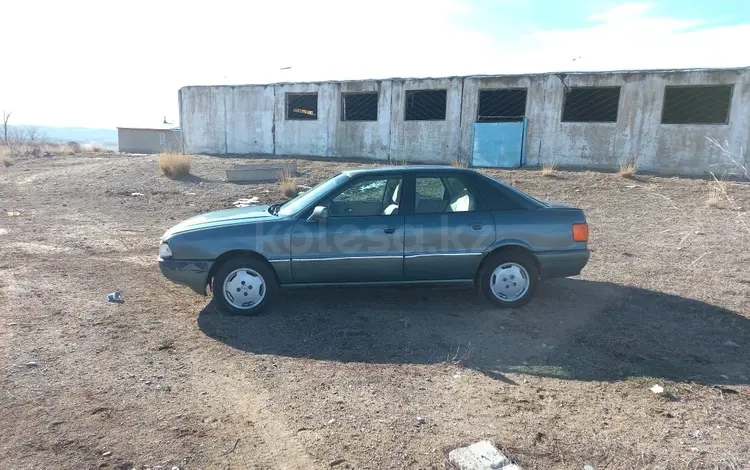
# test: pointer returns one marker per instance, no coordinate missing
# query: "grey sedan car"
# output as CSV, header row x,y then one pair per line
x,y
381,226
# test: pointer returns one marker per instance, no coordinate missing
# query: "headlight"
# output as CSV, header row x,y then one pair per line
x,y
164,251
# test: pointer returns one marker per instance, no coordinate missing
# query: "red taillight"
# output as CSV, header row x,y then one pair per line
x,y
580,232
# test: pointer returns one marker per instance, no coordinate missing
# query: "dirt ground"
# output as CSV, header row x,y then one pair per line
x,y
339,378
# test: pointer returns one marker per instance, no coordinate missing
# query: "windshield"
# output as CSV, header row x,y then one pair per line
x,y
304,199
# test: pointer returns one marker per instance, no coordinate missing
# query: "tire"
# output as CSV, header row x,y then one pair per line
x,y
251,285
514,265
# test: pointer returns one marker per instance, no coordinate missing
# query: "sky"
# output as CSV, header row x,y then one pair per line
x,y
107,64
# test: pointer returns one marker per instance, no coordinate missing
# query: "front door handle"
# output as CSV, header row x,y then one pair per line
x,y
389,230
476,226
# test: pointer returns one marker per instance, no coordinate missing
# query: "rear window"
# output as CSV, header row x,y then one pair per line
x,y
515,199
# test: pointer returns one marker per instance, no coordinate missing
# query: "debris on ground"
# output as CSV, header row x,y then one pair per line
x,y
116,297
246,202
136,194
482,455
657,389
31,364
420,421
13,213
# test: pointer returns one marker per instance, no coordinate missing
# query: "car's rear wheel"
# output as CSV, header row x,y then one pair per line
x,y
244,286
509,278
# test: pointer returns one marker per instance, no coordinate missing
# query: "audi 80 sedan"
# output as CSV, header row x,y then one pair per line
x,y
381,226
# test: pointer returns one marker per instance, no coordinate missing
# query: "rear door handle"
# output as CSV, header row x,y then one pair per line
x,y
476,226
389,230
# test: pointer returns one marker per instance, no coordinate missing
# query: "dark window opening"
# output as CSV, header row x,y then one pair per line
x,y
359,107
302,106
502,105
591,104
427,105
696,104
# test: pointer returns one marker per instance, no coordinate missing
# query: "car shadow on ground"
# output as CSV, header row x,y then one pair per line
x,y
573,329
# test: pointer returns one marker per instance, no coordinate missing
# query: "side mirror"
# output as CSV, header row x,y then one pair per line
x,y
318,214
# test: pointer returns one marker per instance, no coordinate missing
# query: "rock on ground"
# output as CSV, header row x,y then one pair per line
x,y
482,455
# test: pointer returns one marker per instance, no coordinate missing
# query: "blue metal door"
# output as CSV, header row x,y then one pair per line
x,y
498,144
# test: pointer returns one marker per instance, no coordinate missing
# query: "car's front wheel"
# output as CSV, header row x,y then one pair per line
x,y
244,286
509,278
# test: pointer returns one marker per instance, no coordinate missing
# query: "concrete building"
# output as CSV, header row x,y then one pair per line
x,y
149,139
662,118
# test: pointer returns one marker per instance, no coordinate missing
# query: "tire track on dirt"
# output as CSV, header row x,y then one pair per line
x,y
254,403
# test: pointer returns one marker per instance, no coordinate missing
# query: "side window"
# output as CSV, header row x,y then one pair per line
x,y
379,196
439,195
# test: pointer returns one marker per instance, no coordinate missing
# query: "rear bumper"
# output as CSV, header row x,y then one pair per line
x,y
193,274
555,264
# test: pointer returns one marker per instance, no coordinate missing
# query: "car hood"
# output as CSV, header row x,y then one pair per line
x,y
222,218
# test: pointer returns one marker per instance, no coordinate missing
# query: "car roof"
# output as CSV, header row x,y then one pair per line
x,y
405,169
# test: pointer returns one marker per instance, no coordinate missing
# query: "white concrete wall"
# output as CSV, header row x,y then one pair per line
x,y
249,122
303,137
363,139
685,148
252,120
638,132
584,144
426,141
203,119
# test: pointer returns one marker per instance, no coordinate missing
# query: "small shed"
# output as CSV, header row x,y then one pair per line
x,y
158,138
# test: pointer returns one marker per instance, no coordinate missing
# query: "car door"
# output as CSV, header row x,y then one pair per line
x,y
360,240
447,229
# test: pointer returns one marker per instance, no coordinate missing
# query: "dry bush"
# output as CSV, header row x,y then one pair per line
x,y
714,196
174,165
288,183
93,147
459,163
6,157
74,146
629,169
738,168
58,149
548,169
400,161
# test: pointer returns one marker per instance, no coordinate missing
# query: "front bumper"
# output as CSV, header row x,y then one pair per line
x,y
555,264
193,274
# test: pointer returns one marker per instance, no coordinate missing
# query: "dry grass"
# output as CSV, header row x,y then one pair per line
x,y
548,169
628,170
93,147
6,156
62,149
459,163
174,165
738,167
288,183
714,197
400,161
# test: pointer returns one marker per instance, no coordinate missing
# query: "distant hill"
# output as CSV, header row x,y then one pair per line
x,y
82,135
